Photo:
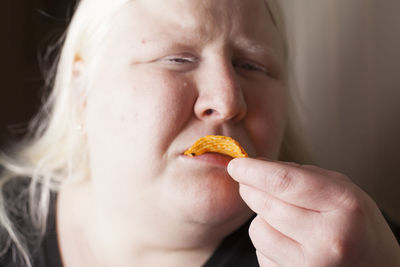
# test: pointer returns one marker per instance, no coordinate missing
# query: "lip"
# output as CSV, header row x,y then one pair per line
x,y
212,158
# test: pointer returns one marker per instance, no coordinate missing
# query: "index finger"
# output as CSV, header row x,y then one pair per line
x,y
300,186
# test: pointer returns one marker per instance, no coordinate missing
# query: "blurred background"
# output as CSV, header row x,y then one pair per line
x,y
27,28
347,71
347,64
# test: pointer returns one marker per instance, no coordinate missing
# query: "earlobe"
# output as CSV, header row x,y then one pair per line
x,y
77,81
77,66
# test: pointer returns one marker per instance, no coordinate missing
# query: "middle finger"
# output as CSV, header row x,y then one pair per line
x,y
296,222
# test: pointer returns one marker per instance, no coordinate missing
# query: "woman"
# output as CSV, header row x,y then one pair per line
x,y
137,83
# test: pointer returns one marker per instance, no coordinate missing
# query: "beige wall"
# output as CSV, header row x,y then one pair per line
x,y
347,58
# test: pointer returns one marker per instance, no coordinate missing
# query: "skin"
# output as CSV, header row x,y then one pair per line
x,y
308,216
171,72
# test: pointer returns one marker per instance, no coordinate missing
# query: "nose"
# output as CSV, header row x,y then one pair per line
x,y
220,95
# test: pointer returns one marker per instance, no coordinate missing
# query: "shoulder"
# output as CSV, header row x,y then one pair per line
x,y
17,222
5,247
6,259
12,213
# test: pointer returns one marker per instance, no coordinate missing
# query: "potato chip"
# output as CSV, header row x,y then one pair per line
x,y
218,144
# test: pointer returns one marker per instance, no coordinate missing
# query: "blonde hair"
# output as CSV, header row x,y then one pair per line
x,y
55,151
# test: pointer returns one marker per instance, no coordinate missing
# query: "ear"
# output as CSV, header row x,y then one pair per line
x,y
78,66
78,69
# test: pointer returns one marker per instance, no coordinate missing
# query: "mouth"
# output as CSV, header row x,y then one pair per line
x,y
212,158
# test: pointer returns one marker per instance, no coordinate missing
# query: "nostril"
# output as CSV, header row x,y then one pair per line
x,y
208,112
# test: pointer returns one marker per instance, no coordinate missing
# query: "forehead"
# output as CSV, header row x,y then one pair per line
x,y
200,21
208,12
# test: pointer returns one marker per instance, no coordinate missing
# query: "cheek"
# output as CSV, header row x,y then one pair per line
x,y
135,119
163,105
266,120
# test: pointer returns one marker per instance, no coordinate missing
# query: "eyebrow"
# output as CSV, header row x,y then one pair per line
x,y
255,47
261,49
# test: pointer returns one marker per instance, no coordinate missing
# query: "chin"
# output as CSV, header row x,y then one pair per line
x,y
211,198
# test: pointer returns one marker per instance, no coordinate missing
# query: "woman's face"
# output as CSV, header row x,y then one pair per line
x,y
171,72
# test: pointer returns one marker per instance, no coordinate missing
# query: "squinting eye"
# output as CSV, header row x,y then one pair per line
x,y
249,66
179,60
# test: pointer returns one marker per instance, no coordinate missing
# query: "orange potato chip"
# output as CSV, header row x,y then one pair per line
x,y
217,143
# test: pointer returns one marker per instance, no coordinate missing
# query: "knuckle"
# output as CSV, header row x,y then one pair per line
x,y
351,201
282,180
339,246
338,249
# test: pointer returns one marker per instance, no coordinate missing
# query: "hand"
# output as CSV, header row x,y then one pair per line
x,y
308,216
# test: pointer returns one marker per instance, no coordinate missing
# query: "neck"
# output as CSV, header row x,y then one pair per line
x,y
84,241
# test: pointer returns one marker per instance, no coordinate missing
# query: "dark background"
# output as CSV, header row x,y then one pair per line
x,y
27,28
